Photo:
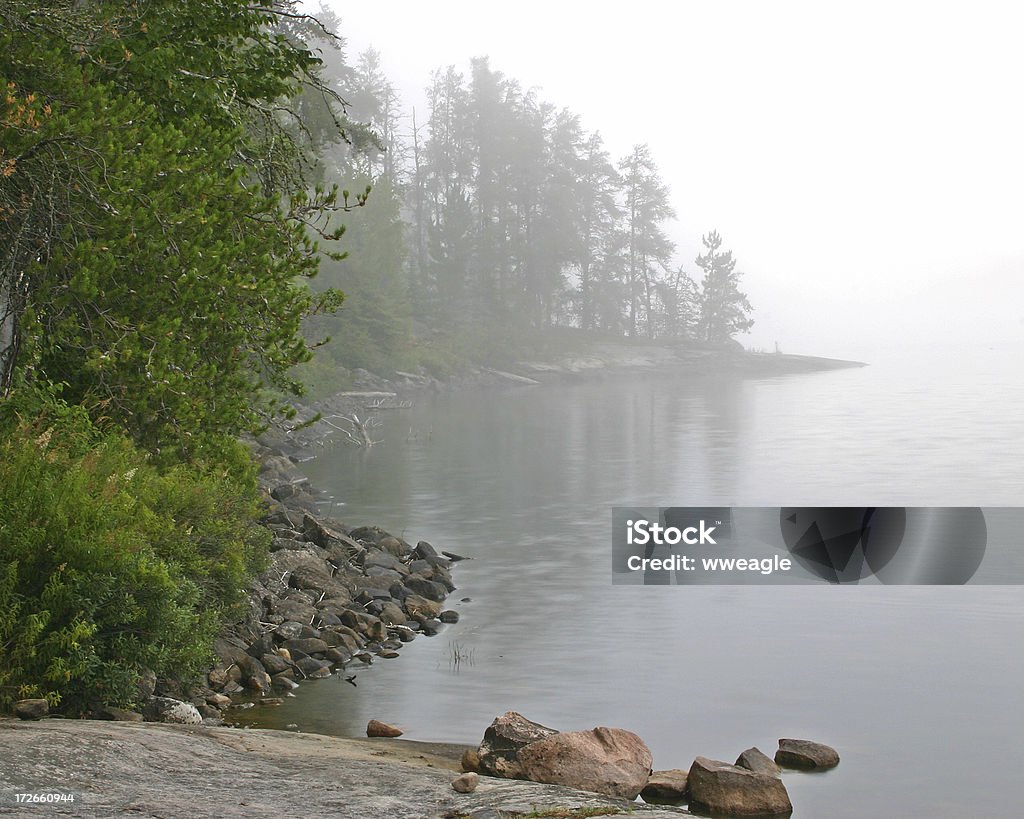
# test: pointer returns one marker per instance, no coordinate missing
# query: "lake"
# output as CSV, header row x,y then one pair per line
x,y
918,688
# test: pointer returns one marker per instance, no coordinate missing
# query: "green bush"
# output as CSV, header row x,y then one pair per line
x,y
109,564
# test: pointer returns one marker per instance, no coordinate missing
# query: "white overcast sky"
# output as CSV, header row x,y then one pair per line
x,y
864,161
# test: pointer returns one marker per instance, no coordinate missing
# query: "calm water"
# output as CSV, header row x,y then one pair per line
x,y
919,688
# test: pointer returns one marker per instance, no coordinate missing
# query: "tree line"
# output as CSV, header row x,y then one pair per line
x,y
495,210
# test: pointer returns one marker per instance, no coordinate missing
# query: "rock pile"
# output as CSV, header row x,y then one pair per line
x,y
331,595
617,763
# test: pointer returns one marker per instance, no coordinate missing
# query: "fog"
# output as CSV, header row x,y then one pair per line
x,y
862,160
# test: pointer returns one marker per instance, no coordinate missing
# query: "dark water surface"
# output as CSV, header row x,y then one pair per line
x,y
919,688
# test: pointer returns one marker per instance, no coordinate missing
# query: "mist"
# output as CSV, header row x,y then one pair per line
x,y
862,161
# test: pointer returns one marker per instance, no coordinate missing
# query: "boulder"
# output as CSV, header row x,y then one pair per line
x,y
721,788
376,728
754,760
165,709
503,740
665,787
430,589
604,760
31,709
393,545
307,645
424,550
420,608
449,616
392,614
466,783
289,630
806,755
274,663
311,667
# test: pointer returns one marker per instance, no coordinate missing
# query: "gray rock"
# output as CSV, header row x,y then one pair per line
x,y
718,787
31,709
424,550
504,738
806,755
754,760
311,666
307,645
289,630
165,709
392,613
280,543
283,682
431,627
274,663
449,616
430,589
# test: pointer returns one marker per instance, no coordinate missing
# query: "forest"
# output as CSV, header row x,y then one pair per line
x,y
495,219
197,197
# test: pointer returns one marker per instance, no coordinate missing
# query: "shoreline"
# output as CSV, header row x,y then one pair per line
x,y
178,772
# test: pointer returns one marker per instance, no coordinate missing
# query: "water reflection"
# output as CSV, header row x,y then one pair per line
x,y
524,480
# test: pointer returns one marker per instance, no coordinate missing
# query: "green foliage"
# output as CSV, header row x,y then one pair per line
x,y
109,565
155,225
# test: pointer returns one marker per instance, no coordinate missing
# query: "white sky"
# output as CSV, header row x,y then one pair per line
x,y
864,161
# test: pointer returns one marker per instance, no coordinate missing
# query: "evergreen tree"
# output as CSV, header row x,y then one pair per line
x,y
649,250
724,310
156,218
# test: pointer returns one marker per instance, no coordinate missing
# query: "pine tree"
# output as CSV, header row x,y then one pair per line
x,y
724,310
649,250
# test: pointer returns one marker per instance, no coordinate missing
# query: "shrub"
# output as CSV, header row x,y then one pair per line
x,y
109,564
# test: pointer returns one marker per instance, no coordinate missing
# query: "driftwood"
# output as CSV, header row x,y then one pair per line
x,y
355,429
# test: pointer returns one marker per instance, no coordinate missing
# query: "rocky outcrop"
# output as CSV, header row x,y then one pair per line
x,y
603,760
118,769
806,755
504,738
331,594
728,790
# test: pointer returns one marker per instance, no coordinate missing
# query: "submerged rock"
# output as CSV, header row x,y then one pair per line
x,y
806,755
